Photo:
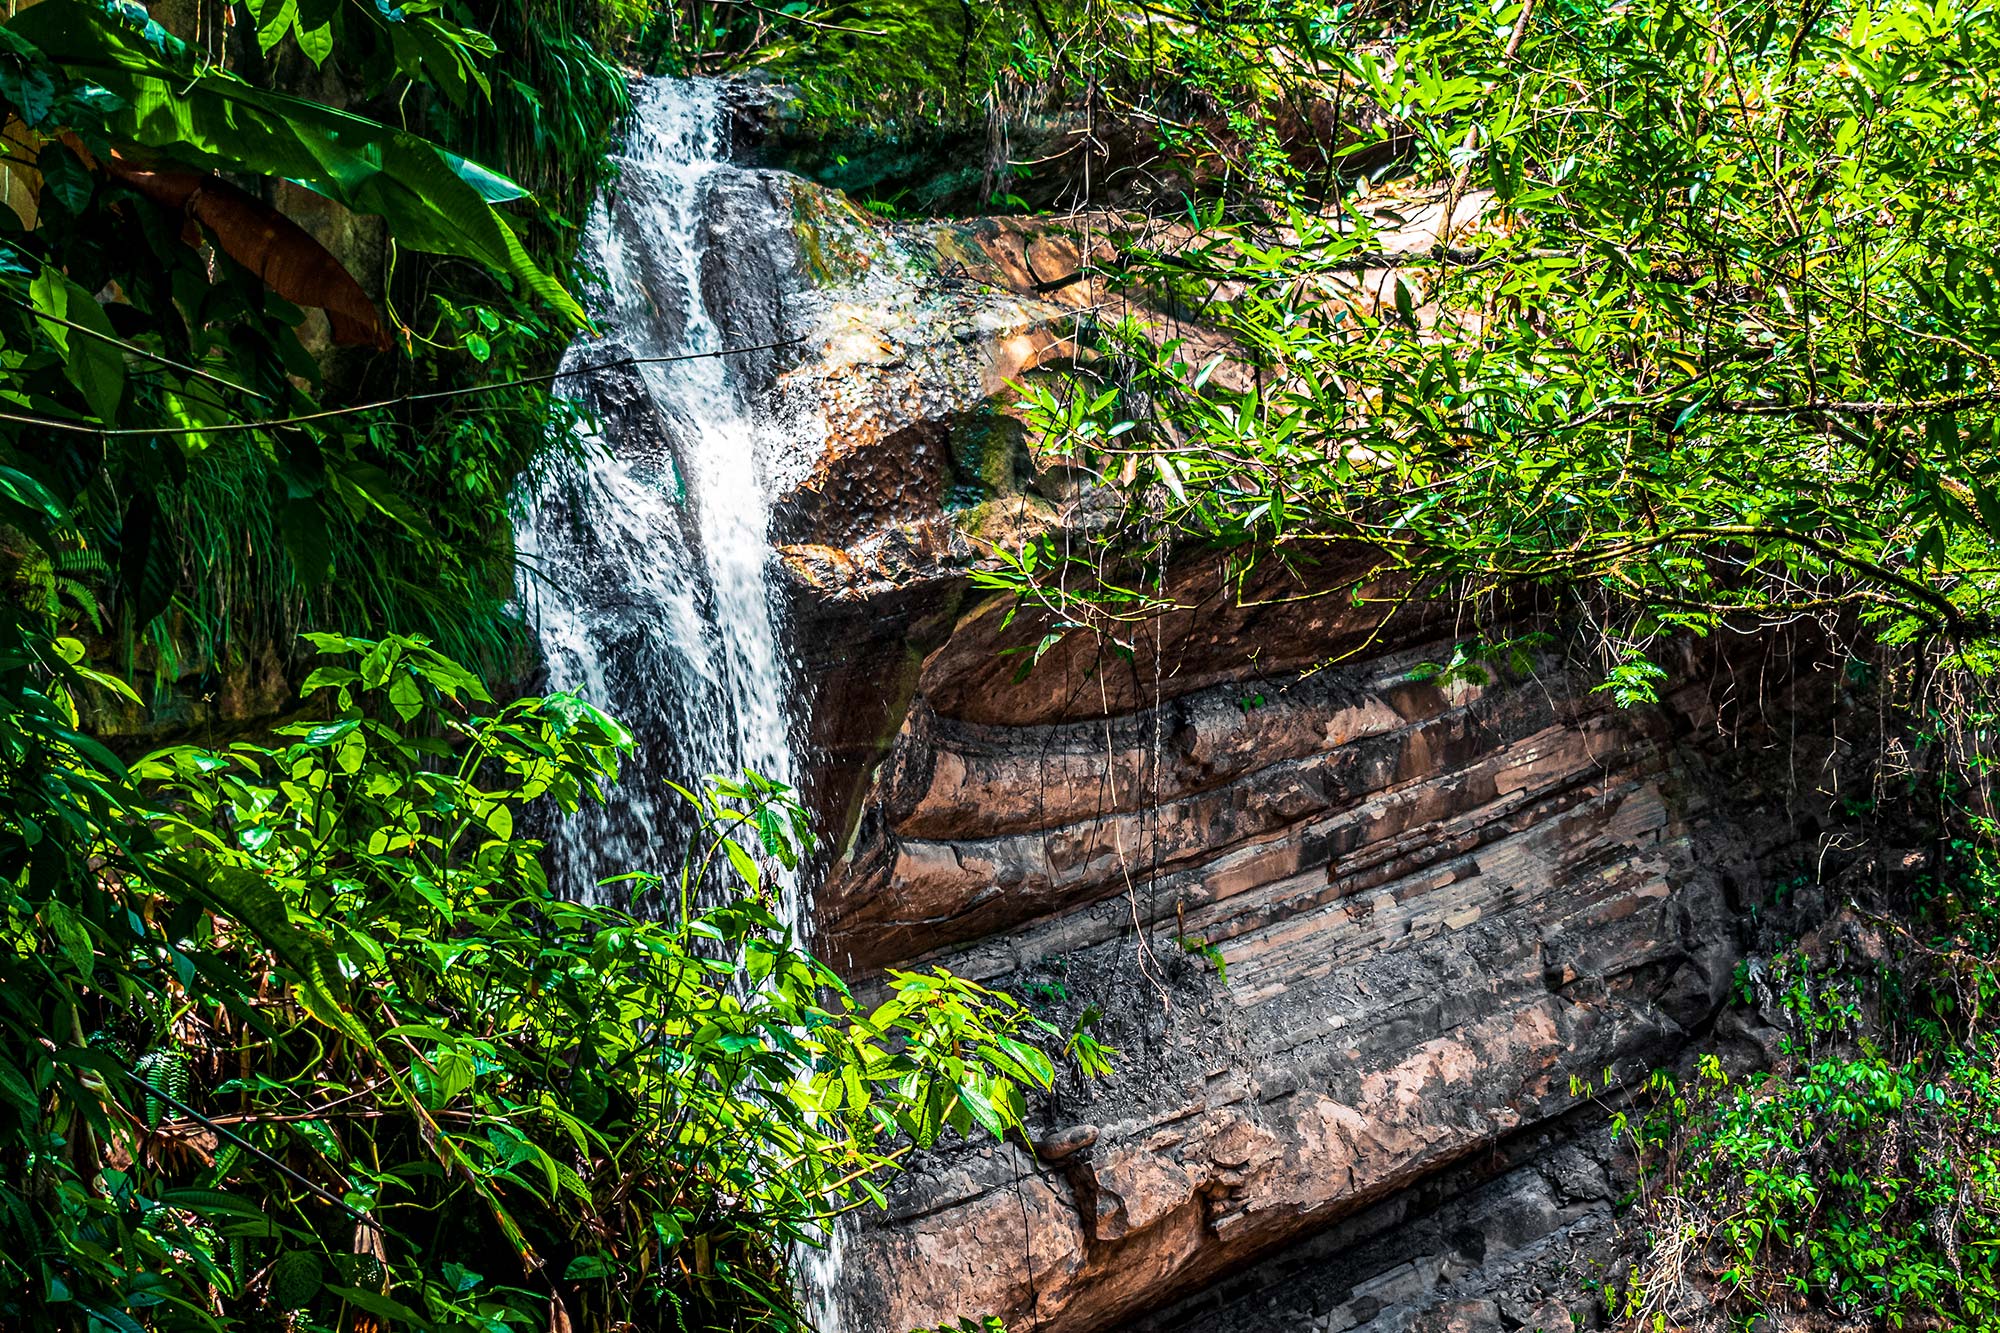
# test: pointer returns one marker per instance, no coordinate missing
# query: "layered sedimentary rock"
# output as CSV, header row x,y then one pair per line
x,y
1366,937
1443,912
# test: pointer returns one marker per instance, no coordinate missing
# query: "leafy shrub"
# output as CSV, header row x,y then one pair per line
x,y
298,1028
179,472
1847,1180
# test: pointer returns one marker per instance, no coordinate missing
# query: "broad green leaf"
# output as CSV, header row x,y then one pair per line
x,y
77,325
115,684
377,1304
431,199
21,489
316,43
406,696
331,732
71,936
274,20
746,868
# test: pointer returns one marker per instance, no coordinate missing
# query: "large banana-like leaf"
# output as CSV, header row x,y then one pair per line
x,y
432,200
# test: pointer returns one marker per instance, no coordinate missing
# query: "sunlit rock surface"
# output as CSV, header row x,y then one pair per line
x,y
1447,909
1441,909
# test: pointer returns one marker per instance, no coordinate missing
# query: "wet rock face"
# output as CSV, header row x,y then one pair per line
x,y
1443,908
749,277
911,341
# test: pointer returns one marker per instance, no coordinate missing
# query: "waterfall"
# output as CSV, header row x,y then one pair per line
x,y
646,568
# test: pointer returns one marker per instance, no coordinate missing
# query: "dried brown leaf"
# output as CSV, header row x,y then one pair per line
x,y
281,252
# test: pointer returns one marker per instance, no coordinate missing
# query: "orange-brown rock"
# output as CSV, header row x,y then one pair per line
x,y
1439,908
1448,909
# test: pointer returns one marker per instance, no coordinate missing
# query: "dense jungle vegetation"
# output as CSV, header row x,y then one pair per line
x,y
296,1034
1695,337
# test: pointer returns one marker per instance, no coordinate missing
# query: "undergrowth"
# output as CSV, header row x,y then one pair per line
x,y
1855,1184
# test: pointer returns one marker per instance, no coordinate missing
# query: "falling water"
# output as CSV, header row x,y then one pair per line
x,y
647,566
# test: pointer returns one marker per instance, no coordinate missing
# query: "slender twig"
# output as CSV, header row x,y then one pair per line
x,y
251,1148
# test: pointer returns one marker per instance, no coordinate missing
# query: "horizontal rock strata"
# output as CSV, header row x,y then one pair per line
x,y
1443,911
1447,909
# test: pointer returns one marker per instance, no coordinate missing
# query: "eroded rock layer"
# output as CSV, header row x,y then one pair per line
x,y
1366,938
1444,912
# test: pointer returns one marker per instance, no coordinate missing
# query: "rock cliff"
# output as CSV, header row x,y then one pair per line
x,y
1369,941
1439,911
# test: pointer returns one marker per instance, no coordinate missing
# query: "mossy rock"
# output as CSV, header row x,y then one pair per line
x,y
833,236
989,458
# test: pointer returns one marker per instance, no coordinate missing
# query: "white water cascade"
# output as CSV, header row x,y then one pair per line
x,y
646,568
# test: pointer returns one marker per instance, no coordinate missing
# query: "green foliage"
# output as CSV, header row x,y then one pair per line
x,y
299,1026
1961,901
933,104
1850,1179
240,489
147,93
556,100
1714,350
1197,946
904,60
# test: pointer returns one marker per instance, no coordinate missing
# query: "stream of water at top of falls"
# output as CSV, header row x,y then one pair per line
x,y
647,565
